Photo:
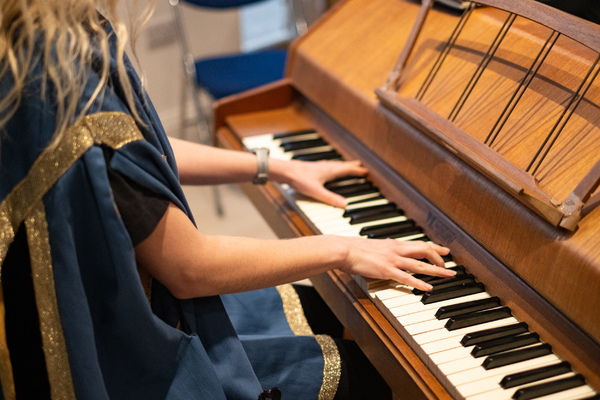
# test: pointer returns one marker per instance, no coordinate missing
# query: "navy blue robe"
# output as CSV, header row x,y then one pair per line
x,y
102,337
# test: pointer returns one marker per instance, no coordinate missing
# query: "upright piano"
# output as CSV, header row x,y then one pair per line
x,y
480,128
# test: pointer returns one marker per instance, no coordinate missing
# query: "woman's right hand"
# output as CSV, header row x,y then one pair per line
x,y
393,259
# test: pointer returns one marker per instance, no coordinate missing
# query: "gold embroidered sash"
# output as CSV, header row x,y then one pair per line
x,y
24,204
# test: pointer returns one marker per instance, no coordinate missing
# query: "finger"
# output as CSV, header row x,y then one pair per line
x,y
440,249
409,280
354,168
436,253
344,168
328,197
429,251
421,267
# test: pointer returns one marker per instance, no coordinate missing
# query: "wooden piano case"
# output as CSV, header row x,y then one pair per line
x,y
332,77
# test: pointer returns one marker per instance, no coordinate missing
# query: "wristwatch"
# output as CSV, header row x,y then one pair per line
x,y
262,170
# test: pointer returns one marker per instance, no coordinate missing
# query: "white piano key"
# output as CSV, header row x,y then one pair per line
x,y
433,307
353,230
415,312
499,393
401,300
334,215
362,197
268,140
484,385
311,207
411,237
426,326
469,381
571,394
480,373
342,223
432,336
459,365
376,202
450,264
265,140
463,364
308,150
414,318
455,353
393,289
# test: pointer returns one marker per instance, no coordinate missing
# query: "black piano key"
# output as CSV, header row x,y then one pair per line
x,y
515,356
447,282
533,375
544,389
386,228
473,338
383,230
476,318
452,292
459,269
349,212
284,135
467,307
302,144
355,189
446,258
417,230
504,344
370,217
319,156
342,180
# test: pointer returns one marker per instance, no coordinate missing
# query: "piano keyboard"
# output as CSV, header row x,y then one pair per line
x,y
470,342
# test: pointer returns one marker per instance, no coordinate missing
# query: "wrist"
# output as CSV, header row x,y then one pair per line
x,y
280,171
338,252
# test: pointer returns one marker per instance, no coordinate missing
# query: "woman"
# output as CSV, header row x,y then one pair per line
x,y
91,206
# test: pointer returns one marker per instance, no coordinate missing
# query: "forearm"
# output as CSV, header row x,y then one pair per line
x,y
192,264
202,165
199,164
257,263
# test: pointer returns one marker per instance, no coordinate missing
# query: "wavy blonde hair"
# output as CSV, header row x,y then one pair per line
x,y
71,30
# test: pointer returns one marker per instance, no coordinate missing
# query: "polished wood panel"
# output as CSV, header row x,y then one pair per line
x,y
513,139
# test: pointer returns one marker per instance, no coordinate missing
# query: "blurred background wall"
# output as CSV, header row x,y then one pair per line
x,y
211,32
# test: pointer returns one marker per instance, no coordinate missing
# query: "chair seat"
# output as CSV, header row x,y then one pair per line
x,y
225,75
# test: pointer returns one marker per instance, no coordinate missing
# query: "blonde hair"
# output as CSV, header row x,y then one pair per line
x,y
71,31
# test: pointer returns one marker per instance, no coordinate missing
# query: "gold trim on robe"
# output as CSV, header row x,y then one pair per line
x,y
24,204
332,368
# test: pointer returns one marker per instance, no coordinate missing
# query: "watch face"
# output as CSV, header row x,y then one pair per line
x,y
262,170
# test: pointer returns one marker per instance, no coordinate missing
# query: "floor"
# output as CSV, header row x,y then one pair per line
x,y
239,218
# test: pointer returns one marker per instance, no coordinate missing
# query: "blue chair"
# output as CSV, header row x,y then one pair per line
x,y
224,75
228,74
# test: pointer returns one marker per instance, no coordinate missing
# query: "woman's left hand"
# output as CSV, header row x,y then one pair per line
x,y
308,178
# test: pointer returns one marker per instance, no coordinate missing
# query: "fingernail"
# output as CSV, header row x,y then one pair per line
x,y
428,287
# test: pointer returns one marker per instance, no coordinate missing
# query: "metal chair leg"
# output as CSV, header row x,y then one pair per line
x,y
218,201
